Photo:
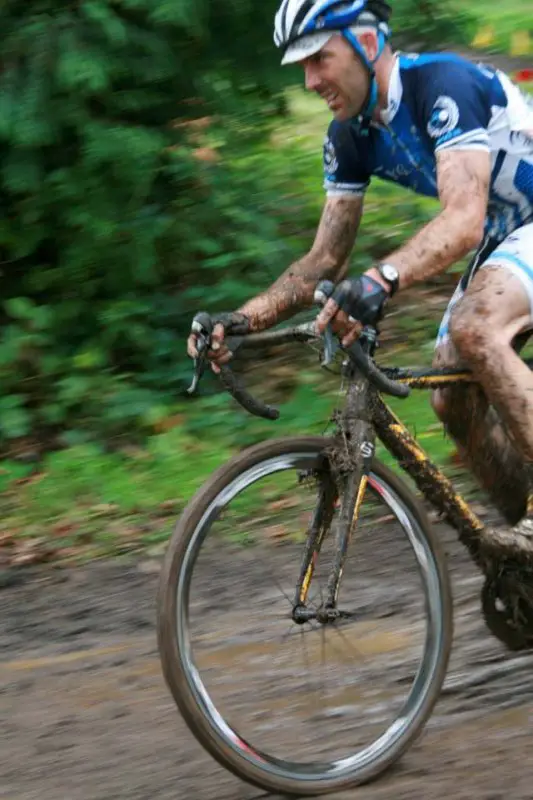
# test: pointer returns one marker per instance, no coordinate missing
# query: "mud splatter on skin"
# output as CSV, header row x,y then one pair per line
x,y
481,329
327,259
492,438
487,449
463,182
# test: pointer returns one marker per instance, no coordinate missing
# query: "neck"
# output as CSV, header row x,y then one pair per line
x,y
384,67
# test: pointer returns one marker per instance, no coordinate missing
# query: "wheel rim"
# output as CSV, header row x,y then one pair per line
x,y
383,748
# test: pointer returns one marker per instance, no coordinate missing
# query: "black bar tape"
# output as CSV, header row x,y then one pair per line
x,y
232,384
363,362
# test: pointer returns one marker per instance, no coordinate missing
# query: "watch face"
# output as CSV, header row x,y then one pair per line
x,y
389,272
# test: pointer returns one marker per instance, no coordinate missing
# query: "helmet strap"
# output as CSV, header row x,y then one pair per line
x,y
372,99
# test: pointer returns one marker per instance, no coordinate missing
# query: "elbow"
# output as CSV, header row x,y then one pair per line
x,y
470,243
470,230
328,266
475,234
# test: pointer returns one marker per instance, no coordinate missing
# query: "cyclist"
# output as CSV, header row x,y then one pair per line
x,y
447,128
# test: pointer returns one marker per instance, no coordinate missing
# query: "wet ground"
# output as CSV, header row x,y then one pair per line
x,y
85,713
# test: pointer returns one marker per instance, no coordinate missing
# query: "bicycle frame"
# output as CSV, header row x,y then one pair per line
x,y
366,417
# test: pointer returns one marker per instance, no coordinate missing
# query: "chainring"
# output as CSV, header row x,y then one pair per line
x,y
507,606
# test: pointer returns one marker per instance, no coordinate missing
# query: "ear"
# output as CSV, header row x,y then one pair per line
x,y
369,41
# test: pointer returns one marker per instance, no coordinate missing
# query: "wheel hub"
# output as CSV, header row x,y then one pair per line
x,y
324,615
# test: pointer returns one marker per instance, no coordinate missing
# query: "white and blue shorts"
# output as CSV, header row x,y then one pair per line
x,y
515,253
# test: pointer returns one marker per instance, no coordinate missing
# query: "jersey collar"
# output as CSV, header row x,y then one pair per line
x,y
395,93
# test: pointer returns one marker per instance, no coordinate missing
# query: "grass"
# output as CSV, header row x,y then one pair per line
x,y
86,503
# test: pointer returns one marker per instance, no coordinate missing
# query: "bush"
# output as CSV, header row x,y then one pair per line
x,y
117,210
129,199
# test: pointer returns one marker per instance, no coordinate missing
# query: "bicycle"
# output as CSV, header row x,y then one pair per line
x,y
346,478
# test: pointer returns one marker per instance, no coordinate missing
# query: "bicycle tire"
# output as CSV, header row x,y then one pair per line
x,y
238,760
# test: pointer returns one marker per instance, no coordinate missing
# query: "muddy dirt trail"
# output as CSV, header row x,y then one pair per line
x,y
85,713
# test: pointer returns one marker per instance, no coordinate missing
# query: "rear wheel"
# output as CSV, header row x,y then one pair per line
x,y
302,709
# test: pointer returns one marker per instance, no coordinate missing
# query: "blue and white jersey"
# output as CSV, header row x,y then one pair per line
x,y
442,102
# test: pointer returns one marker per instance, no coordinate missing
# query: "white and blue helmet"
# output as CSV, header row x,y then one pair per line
x,y
303,27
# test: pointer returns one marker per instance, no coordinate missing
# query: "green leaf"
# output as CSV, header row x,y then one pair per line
x,y
54,413
80,68
112,26
22,171
15,421
89,359
20,308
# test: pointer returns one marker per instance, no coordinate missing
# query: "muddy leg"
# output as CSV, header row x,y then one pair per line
x,y
482,442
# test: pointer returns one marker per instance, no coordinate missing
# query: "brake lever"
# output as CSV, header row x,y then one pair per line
x,y
330,347
202,326
199,368
323,292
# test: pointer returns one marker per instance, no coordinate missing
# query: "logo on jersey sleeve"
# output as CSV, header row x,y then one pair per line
x,y
331,163
444,117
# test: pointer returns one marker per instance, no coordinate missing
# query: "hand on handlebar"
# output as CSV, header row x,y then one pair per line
x,y
207,338
325,294
354,303
201,347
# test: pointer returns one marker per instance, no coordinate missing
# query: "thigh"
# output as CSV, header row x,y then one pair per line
x,y
499,299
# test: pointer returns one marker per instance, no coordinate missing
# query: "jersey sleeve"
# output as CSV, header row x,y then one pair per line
x,y
455,107
344,170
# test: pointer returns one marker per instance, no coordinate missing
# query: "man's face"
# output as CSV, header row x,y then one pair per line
x,y
338,76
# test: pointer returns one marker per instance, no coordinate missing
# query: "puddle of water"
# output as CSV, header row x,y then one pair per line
x,y
357,642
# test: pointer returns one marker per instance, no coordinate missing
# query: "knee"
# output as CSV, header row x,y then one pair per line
x,y
472,336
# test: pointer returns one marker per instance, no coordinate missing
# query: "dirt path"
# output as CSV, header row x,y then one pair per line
x,y
85,714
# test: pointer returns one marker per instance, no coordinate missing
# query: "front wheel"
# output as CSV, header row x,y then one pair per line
x,y
255,687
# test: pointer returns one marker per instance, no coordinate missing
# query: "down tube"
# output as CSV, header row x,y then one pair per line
x,y
432,483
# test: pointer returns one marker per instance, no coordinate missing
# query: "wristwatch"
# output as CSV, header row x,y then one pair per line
x,y
391,275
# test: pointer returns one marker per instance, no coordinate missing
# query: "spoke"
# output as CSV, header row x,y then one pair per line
x,y
290,632
305,657
279,586
348,644
318,593
275,615
323,660
312,693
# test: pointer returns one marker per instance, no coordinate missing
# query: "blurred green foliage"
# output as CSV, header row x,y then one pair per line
x,y
115,208
140,181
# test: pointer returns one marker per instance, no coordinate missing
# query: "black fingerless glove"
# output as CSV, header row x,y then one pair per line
x,y
233,322
362,298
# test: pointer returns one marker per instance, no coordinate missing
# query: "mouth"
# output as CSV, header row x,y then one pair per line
x,y
332,99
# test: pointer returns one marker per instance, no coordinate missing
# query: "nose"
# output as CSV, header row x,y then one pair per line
x,y
312,79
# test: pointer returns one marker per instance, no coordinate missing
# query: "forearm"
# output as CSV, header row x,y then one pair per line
x,y
293,291
439,245
463,180
327,259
